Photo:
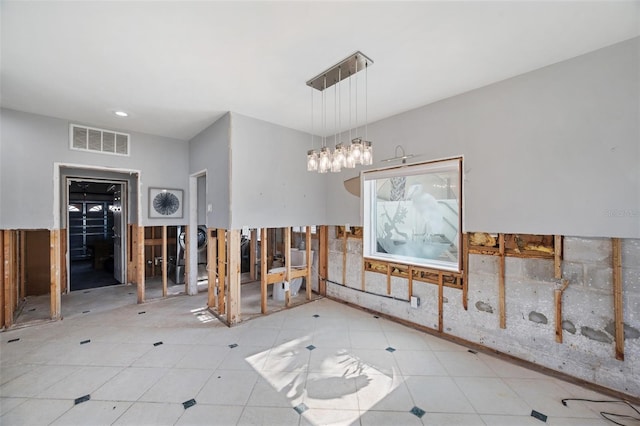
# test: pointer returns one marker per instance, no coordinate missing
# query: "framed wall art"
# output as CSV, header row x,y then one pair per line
x,y
165,203
413,214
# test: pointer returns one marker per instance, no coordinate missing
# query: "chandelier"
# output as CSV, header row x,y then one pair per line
x,y
359,150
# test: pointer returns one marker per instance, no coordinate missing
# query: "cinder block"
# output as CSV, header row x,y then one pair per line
x,y
400,288
354,245
631,253
631,280
599,277
538,269
375,283
513,267
480,264
587,250
574,272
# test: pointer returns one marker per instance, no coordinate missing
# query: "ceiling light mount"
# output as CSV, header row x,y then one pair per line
x,y
340,71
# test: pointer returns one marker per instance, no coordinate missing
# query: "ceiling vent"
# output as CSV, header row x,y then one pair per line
x,y
90,139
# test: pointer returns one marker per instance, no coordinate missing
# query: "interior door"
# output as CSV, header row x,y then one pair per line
x,y
118,233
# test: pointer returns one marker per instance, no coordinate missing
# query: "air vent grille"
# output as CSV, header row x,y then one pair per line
x,y
98,140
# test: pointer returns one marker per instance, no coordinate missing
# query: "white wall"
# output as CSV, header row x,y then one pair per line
x,y
270,184
30,145
553,151
209,150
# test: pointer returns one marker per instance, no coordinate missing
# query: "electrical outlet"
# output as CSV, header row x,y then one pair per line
x,y
415,302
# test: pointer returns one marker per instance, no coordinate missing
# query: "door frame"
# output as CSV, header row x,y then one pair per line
x,y
191,283
124,191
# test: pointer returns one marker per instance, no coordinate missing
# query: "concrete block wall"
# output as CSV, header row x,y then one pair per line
x,y
587,351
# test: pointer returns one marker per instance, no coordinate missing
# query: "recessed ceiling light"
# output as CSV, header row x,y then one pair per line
x,y
121,114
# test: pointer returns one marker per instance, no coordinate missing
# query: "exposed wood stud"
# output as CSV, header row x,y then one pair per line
x,y
307,245
164,261
21,262
8,283
287,264
557,256
212,243
187,258
234,274
140,263
54,261
617,297
501,285
2,280
263,270
63,260
558,301
440,302
323,256
465,271
222,269
344,256
410,283
389,268
252,254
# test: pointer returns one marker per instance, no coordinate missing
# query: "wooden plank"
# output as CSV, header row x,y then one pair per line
x,y
22,262
465,271
263,270
323,258
6,279
165,258
222,269
212,243
276,277
410,282
54,261
440,302
389,268
344,256
252,254
557,256
558,303
2,269
617,297
140,262
287,264
234,273
501,285
307,245
298,273
63,260
187,259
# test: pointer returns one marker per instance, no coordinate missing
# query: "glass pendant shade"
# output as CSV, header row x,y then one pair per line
x,y
356,150
367,153
312,161
350,162
340,154
336,164
324,161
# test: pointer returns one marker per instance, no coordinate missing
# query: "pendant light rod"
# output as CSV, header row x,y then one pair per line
x,y
343,69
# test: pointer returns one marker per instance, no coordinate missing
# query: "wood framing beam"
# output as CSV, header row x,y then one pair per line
x,y
557,256
63,260
165,258
323,259
21,263
54,275
558,302
617,297
187,259
263,270
389,268
410,283
307,245
252,254
212,267
7,278
140,261
465,271
2,280
222,269
287,265
344,256
440,302
234,272
501,285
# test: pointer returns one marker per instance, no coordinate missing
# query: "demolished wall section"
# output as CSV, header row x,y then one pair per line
x,y
587,351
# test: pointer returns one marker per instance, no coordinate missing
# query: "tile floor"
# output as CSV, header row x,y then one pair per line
x,y
316,364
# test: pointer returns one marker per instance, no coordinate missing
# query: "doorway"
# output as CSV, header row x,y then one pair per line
x,y
96,218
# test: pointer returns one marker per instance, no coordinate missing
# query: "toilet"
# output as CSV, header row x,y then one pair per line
x,y
298,260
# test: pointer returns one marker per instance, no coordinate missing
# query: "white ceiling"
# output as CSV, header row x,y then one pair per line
x,y
176,66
